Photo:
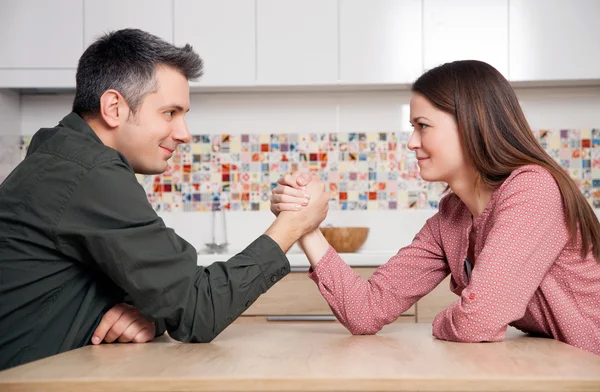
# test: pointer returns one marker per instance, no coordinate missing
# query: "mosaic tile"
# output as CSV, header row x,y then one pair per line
x,y
363,171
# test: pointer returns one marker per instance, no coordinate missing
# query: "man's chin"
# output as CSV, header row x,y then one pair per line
x,y
150,170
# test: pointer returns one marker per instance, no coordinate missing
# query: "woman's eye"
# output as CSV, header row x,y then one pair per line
x,y
422,126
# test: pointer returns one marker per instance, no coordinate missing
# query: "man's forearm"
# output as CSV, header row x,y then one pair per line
x,y
222,291
284,231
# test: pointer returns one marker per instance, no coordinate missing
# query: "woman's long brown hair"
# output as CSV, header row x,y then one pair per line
x,y
497,138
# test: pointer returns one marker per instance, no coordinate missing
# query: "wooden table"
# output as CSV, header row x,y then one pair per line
x,y
315,357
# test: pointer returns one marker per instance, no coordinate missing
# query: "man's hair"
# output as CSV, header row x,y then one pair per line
x,y
126,61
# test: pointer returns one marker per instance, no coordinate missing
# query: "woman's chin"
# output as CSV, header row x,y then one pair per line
x,y
432,178
427,176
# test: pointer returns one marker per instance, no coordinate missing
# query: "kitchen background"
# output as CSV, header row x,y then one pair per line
x,y
318,85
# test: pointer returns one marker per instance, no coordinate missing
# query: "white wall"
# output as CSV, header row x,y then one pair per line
x,y
10,119
566,108
304,112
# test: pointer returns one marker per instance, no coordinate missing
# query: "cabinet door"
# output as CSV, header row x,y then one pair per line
x,y
297,295
380,41
435,301
554,39
153,16
466,30
297,42
224,34
41,33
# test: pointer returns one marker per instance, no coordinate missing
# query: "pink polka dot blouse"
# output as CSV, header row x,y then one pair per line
x,y
526,271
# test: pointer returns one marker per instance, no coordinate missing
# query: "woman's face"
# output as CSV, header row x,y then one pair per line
x,y
436,141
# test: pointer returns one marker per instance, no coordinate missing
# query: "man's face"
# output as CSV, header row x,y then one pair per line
x,y
149,138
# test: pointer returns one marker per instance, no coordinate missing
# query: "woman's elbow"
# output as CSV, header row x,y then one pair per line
x,y
363,328
470,335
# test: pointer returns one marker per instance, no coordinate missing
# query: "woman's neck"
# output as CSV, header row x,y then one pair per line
x,y
476,196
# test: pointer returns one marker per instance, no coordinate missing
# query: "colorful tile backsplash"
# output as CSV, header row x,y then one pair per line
x,y
364,171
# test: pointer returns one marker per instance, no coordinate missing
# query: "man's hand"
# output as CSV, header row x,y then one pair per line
x,y
124,323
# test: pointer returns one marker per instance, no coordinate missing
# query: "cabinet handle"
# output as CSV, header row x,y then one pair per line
x,y
302,318
299,269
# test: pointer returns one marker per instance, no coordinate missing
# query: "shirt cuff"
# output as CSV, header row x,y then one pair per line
x,y
159,328
270,258
324,264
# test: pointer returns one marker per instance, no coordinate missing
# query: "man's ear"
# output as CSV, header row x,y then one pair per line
x,y
113,108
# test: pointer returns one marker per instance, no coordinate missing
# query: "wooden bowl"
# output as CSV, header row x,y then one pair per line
x,y
345,239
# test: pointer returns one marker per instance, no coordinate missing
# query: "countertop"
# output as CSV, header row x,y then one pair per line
x,y
299,261
315,357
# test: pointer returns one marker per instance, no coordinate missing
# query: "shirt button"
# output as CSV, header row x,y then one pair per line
x,y
472,296
283,271
273,279
248,304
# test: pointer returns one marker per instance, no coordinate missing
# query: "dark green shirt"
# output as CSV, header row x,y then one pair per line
x,y
77,235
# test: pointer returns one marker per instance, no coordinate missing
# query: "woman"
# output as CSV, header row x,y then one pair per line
x,y
517,236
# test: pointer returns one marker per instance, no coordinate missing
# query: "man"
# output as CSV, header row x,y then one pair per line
x,y
77,234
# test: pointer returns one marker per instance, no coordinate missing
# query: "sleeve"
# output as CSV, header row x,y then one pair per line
x,y
528,233
159,328
365,306
159,325
109,224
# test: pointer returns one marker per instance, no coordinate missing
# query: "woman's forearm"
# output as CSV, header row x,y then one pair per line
x,y
314,246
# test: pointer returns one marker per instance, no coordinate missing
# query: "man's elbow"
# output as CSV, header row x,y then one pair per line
x,y
204,338
199,331
198,337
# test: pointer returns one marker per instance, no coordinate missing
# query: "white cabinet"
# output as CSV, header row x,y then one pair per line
x,y
297,42
466,30
224,35
554,39
41,33
380,41
311,42
153,16
10,116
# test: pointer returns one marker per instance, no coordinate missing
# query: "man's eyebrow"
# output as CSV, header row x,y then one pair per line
x,y
177,107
